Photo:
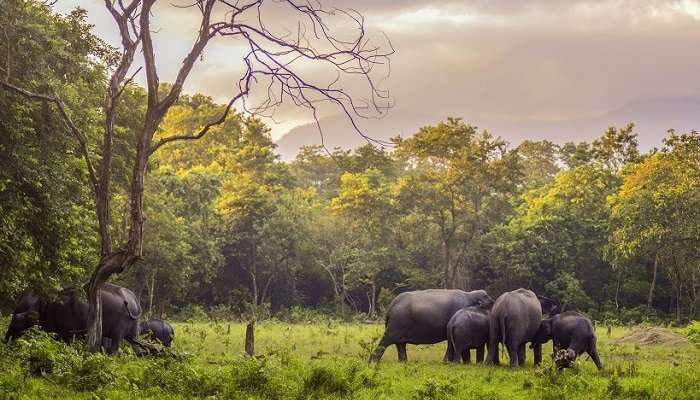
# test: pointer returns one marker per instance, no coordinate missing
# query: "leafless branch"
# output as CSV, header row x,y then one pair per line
x,y
278,59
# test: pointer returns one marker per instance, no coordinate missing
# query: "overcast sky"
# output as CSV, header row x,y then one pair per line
x,y
514,60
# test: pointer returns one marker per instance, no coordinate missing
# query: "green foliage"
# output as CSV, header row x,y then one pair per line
x,y
693,332
433,389
339,381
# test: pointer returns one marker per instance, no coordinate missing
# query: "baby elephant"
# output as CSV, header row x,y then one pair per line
x,y
572,334
468,329
160,329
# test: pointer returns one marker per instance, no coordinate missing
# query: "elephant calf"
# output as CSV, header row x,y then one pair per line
x,y
160,329
468,329
570,331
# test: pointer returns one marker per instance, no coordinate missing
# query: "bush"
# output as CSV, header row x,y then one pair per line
x,y
259,377
693,332
41,355
179,376
433,389
192,313
90,372
340,381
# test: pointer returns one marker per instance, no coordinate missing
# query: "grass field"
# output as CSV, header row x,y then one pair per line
x,y
328,360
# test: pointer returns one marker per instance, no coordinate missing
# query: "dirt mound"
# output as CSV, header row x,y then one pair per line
x,y
652,335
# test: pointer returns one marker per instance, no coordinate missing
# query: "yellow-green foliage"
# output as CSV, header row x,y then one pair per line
x,y
327,360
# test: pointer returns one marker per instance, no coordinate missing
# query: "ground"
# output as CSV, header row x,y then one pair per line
x,y
328,360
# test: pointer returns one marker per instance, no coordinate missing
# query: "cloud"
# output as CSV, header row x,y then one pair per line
x,y
514,60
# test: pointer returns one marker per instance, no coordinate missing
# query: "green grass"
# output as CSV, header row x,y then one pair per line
x,y
328,360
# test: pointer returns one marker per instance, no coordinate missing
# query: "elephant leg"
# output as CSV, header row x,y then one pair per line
x,y
494,334
466,356
140,348
521,354
106,344
537,350
113,346
480,354
457,354
493,358
401,350
380,349
512,354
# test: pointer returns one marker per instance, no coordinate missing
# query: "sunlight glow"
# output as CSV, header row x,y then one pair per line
x,y
689,7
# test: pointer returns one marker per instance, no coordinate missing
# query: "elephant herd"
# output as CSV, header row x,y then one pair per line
x,y
67,317
473,321
466,320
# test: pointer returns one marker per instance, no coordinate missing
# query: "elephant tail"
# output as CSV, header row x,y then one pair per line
x,y
502,320
451,337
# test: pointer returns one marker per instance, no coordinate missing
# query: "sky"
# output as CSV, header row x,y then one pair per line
x,y
523,60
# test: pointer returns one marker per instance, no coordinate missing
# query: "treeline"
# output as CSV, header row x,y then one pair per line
x,y
599,226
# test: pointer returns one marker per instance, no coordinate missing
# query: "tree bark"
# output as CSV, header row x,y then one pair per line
x,y
150,292
650,300
250,338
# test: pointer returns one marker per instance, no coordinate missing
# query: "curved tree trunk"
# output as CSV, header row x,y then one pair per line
x,y
111,264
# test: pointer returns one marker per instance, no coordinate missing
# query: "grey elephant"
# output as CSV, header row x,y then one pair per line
x,y
468,329
159,329
68,317
572,332
515,319
421,317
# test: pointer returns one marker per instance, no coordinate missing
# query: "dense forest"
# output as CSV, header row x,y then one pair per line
x,y
600,226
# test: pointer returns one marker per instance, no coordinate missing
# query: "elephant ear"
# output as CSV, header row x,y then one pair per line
x,y
549,306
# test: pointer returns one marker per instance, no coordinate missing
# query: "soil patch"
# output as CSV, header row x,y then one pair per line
x,y
652,335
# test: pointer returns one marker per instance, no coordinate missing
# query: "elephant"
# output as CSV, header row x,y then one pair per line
x,y
421,317
161,330
570,331
515,319
468,329
68,317
65,317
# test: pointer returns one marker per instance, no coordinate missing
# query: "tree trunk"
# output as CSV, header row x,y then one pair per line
x,y
250,338
111,264
617,290
650,300
449,268
150,292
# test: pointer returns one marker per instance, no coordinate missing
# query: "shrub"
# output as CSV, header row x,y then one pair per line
x,y
259,378
179,376
41,355
90,372
192,313
340,381
433,389
693,332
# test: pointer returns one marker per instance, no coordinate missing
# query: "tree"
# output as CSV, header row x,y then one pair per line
x,y
364,209
272,64
655,216
46,233
460,180
539,162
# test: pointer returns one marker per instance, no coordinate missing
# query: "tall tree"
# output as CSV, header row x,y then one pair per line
x,y
655,217
273,63
461,179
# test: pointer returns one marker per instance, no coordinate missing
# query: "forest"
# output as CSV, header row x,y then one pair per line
x,y
600,226
184,201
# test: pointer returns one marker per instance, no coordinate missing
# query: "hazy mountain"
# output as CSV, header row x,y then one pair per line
x,y
652,119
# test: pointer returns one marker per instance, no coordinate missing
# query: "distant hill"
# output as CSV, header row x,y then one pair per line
x,y
652,118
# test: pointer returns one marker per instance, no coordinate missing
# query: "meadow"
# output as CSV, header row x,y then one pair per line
x,y
327,360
